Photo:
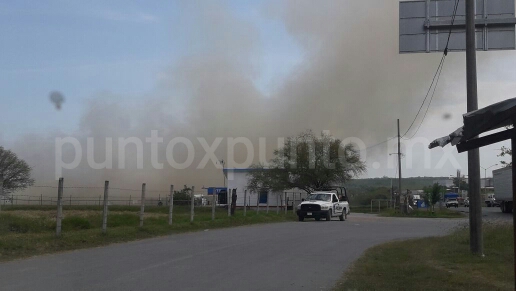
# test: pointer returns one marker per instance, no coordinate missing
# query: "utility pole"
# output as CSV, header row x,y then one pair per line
x,y
475,208
399,161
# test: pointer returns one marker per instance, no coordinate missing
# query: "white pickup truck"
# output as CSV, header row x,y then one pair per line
x,y
323,205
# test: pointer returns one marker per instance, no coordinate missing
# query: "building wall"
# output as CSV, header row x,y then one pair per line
x,y
237,179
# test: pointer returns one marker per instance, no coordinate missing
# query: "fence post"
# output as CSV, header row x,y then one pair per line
x,y
268,196
142,207
371,205
40,199
171,205
378,206
245,202
286,203
257,202
105,211
59,207
1,188
294,203
229,202
213,203
277,203
192,205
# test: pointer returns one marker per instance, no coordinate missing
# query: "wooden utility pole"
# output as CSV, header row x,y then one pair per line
x,y
475,208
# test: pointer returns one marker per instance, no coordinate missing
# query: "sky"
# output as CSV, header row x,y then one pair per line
x,y
228,69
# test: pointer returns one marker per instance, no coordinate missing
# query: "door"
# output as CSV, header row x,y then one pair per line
x,y
337,207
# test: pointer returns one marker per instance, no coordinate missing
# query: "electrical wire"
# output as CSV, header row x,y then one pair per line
x,y
435,79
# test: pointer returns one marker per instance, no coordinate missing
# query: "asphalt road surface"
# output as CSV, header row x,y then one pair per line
x,y
492,214
306,255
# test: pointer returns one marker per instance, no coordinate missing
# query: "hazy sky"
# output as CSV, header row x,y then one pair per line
x,y
228,69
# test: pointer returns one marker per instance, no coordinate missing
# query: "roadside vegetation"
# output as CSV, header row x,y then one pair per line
x,y
30,230
436,263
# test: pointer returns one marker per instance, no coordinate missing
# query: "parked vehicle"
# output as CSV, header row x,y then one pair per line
x,y
452,202
323,205
502,180
466,202
490,201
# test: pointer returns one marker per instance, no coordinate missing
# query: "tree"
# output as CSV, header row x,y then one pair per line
x,y
15,171
308,162
433,195
463,184
505,152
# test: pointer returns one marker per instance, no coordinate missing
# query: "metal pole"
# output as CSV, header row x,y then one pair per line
x,y
142,205
513,144
475,209
171,205
59,207
105,212
399,161
192,205
245,202
213,204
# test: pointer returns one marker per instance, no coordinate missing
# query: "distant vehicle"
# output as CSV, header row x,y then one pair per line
x,y
466,202
323,205
502,179
491,200
452,202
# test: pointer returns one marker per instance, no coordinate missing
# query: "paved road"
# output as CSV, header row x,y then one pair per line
x,y
491,214
287,256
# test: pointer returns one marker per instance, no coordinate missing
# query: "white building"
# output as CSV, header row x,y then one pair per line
x,y
237,179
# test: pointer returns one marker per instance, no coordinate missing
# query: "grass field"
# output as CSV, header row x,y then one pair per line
x,y
437,263
30,230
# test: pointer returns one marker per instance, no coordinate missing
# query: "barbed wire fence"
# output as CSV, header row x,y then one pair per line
x,y
101,198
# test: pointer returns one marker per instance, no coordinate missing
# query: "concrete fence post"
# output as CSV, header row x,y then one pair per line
x,y
192,205
268,199
105,211
229,201
1,188
245,202
286,203
257,202
277,202
213,203
171,204
59,206
142,205
294,203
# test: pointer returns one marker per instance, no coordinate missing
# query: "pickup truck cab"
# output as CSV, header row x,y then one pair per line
x,y
323,205
452,202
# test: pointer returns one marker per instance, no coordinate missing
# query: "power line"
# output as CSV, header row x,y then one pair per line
x,y
436,77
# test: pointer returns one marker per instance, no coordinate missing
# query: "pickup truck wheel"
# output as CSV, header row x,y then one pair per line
x,y
317,218
328,215
300,218
342,216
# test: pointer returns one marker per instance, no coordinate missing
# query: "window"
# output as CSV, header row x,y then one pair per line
x,y
263,197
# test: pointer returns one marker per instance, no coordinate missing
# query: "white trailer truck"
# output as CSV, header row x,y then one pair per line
x,y
502,179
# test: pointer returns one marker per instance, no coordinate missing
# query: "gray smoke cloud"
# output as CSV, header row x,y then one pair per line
x,y
352,81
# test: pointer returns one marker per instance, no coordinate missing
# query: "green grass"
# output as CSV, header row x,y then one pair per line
x,y
29,231
444,213
436,263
